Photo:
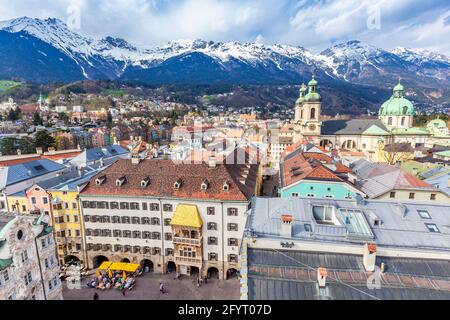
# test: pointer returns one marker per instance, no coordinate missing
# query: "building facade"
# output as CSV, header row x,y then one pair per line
x,y
29,269
167,216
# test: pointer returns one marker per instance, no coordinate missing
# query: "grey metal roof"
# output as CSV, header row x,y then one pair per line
x,y
96,154
24,171
441,182
350,127
401,225
292,275
4,220
278,289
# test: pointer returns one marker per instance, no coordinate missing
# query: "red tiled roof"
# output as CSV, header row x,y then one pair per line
x,y
29,108
164,173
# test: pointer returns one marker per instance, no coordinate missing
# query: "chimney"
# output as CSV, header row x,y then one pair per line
x,y
19,152
135,159
286,225
102,163
322,274
370,256
212,162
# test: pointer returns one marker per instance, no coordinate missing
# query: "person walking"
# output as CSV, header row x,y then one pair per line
x,y
96,296
206,279
124,291
161,288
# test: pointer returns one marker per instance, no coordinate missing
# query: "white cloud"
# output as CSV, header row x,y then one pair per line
x,y
310,23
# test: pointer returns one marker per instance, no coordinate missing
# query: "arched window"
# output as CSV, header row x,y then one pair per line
x,y
301,115
403,121
405,110
390,120
313,113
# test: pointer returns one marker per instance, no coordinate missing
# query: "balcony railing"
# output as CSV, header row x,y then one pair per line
x,y
188,241
188,260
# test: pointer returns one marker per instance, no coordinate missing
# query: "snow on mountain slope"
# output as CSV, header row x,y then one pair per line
x,y
351,61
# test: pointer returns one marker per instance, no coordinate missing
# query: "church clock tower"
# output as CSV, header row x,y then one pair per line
x,y
310,110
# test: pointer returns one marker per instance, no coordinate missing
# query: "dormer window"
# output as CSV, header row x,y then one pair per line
x,y
226,186
177,185
145,182
205,185
99,181
121,181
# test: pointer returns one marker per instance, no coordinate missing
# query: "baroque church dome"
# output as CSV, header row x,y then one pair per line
x,y
397,105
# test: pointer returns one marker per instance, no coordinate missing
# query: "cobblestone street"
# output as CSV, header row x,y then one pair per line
x,y
147,288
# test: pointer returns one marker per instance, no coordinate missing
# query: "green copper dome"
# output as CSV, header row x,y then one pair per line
x,y
313,82
301,99
397,105
437,123
313,95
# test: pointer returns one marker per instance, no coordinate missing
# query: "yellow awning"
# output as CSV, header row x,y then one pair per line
x,y
105,265
121,266
187,216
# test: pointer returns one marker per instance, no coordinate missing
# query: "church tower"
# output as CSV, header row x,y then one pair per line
x,y
299,104
310,111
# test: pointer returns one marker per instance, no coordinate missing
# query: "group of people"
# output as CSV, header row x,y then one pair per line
x,y
201,281
115,280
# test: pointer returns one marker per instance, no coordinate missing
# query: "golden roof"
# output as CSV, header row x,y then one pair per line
x,y
187,216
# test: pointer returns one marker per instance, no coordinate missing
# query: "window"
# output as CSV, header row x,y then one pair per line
x,y
424,214
33,200
168,208
145,221
295,194
433,196
232,227
126,234
24,256
232,258
211,211
212,241
167,222
77,233
156,222
412,195
392,195
232,212
136,234
311,188
24,208
329,196
74,205
44,243
124,206
323,215
53,283
28,279
232,242
212,226
144,206
169,252
311,195
134,206
115,219
313,113
114,205
156,236
390,120
102,205
126,220
75,219
117,233
168,236
5,276
154,207
308,227
403,121
432,227
212,256
146,235
92,204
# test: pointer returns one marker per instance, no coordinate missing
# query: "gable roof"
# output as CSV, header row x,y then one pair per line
x,y
399,179
164,173
24,171
351,127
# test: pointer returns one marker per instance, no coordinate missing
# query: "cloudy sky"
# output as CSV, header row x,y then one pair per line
x,y
314,24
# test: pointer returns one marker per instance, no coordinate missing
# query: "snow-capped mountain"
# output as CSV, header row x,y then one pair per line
x,y
199,61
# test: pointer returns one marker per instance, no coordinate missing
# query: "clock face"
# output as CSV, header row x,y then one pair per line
x,y
312,127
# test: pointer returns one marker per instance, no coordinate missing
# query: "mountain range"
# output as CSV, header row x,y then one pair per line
x,y
42,51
